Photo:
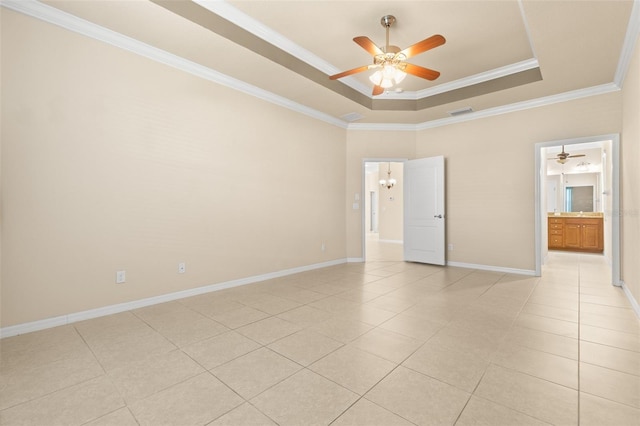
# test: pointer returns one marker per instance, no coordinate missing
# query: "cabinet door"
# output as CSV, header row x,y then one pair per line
x,y
591,236
555,241
572,235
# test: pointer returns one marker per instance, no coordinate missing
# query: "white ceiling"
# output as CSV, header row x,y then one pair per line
x,y
590,163
284,51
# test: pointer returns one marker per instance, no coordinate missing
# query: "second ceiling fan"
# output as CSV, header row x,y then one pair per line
x,y
563,157
391,61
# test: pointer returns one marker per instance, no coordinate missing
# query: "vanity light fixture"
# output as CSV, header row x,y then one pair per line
x,y
583,166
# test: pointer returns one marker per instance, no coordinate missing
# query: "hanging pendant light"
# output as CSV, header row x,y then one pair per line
x,y
389,182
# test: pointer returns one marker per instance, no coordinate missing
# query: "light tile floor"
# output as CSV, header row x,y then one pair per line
x,y
378,343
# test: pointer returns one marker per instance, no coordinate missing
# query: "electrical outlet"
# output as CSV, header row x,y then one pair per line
x,y
323,247
450,247
120,277
182,268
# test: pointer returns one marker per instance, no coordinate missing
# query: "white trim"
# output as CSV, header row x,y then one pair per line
x,y
630,40
402,127
634,303
490,112
15,330
257,28
463,82
492,268
615,194
355,260
478,78
73,23
526,28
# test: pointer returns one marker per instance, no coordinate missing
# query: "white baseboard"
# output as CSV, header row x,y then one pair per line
x,y
634,303
355,259
493,268
29,327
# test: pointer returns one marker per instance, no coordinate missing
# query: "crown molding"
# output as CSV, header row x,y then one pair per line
x,y
73,23
630,40
255,27
490,112
78,25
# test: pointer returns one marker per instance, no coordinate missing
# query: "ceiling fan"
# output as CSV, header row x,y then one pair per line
x,y
390,60
563,157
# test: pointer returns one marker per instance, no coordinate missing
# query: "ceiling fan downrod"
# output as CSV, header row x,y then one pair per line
x,y
387,21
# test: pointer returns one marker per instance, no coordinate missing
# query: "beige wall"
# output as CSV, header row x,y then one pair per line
x,y
111,161
371,145
630,177
490,188
391,203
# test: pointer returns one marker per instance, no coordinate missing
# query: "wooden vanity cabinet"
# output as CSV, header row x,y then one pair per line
x,y
576,233
556,232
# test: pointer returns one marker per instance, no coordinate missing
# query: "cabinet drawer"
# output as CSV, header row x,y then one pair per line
x,y
583,221
553,226
555,241
555,232
555,220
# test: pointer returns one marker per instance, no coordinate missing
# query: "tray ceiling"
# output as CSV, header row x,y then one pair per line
x,y
497,53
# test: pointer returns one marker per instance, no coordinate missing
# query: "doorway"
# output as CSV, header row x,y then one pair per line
x,y
604,190
382,236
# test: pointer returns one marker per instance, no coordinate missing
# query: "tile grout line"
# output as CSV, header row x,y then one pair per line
x,y
579,328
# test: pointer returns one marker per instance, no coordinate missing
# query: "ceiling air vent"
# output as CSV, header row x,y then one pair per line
x,y
352,116
465,110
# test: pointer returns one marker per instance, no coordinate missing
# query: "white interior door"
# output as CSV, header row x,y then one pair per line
x,y
424,215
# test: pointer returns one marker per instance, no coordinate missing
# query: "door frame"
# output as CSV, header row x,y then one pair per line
x,y
363,220
615,198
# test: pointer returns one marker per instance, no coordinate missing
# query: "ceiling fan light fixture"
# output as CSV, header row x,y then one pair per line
x,y
387,77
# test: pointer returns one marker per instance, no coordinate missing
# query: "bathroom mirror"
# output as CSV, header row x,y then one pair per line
x,y
579,198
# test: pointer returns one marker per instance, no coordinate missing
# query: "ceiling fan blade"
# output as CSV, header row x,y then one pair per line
x,y
377,90
421,72
368,45
423,46
577,155
353,71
